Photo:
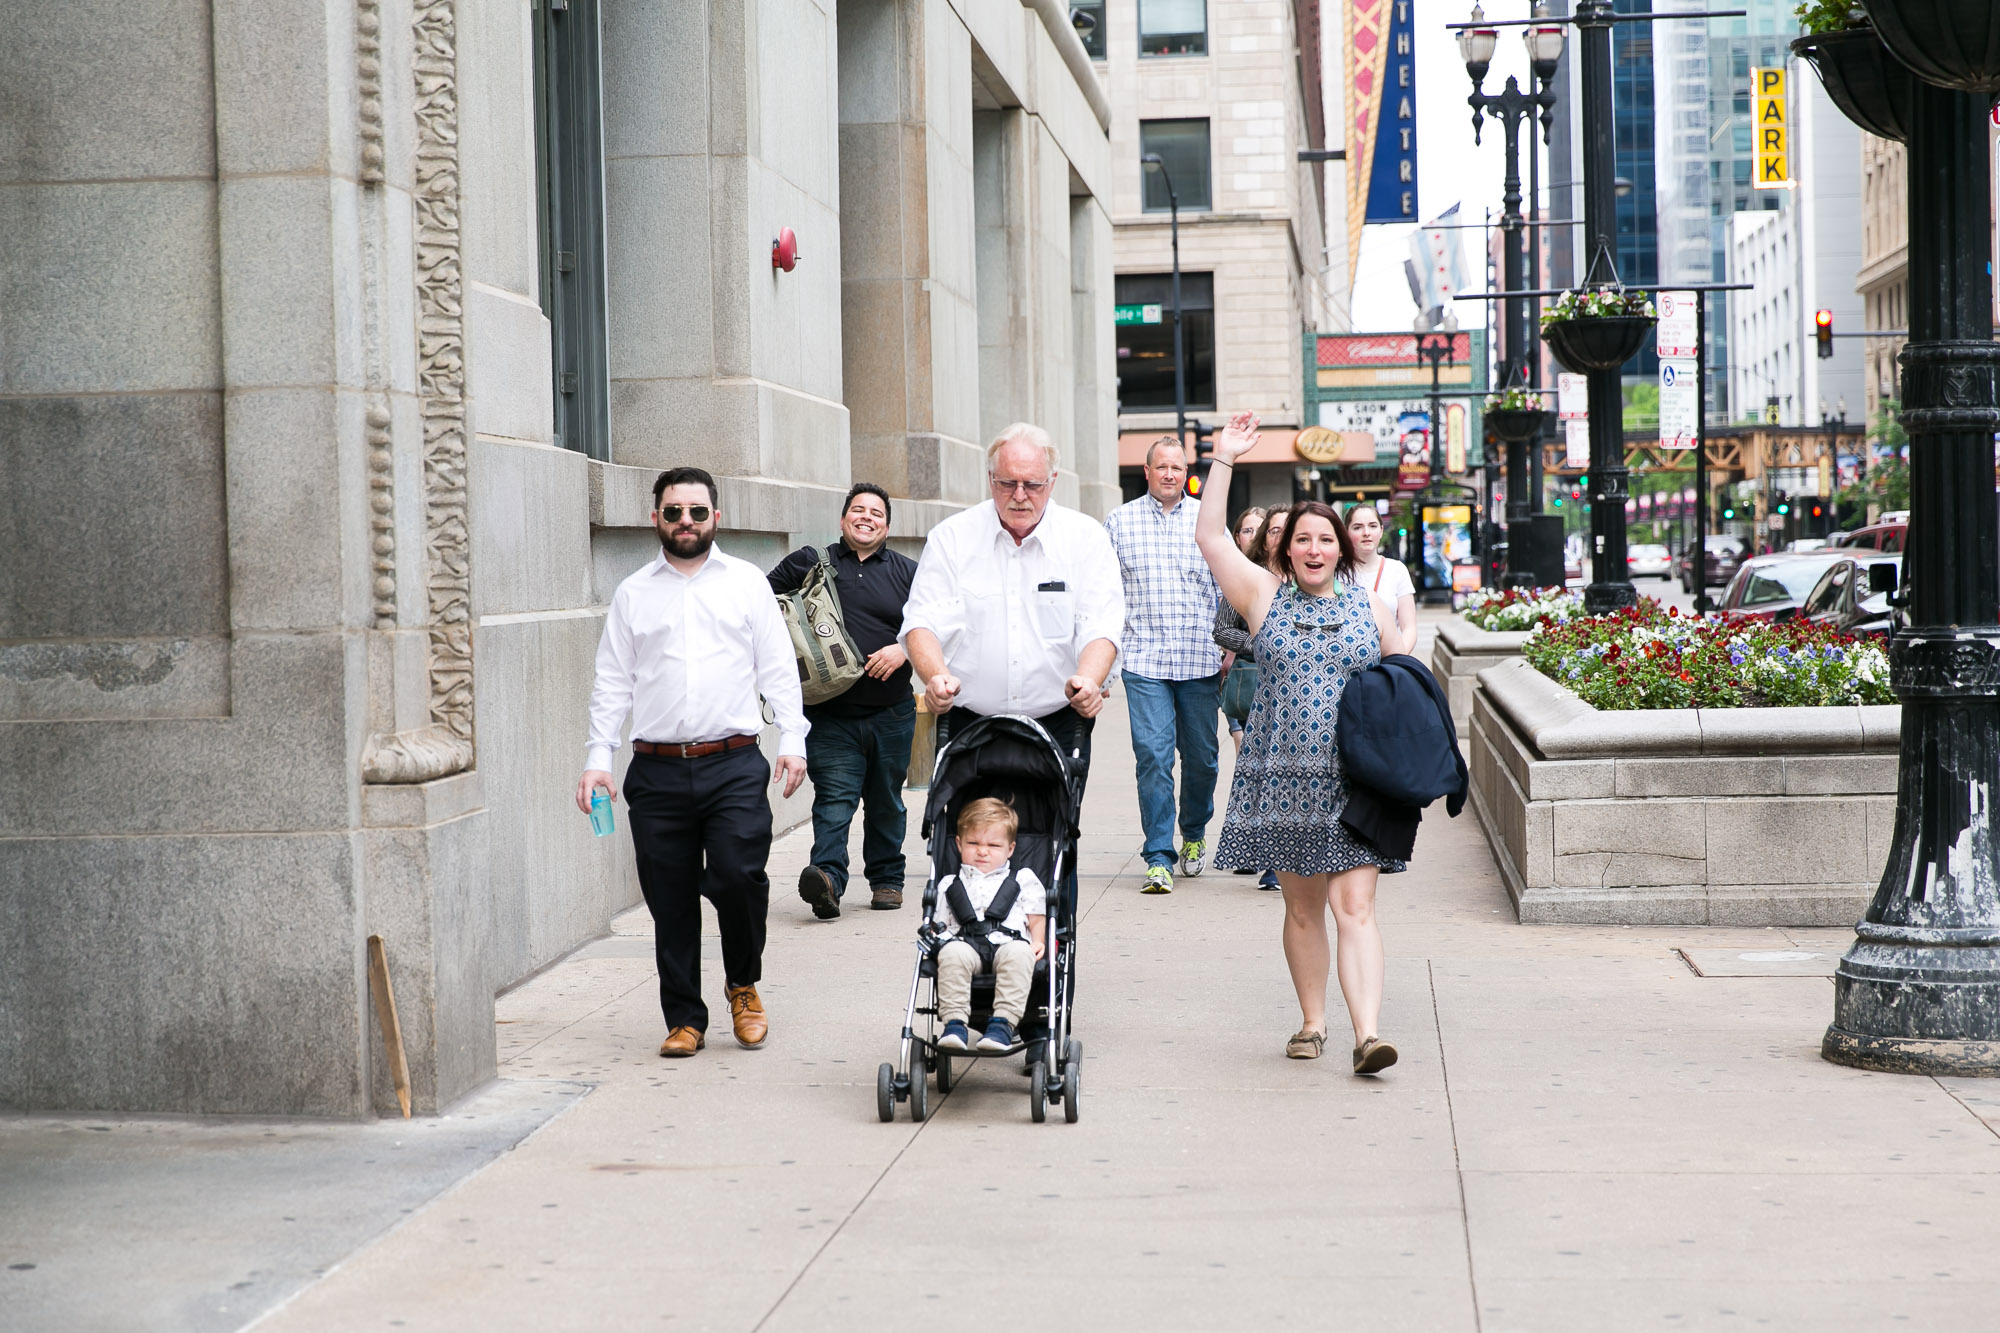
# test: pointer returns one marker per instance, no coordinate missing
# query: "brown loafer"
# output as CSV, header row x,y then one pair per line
x,y
1373,1056
884,900
746,1012
682,1042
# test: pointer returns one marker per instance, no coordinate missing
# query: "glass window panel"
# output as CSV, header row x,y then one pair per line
x,y
1093,41
1173,27
1183,149
1146,351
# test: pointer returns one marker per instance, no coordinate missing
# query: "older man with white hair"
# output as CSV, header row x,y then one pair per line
x,y
1018,603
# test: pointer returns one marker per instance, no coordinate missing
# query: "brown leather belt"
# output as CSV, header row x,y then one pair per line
x,y
696,750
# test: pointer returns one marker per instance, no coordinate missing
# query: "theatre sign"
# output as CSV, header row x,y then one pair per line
x,y
1376,382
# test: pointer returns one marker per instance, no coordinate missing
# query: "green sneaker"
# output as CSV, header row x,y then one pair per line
x,y
1159,879
1191,854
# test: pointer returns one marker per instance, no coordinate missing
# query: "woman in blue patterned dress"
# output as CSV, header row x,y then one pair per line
x,y
1310,634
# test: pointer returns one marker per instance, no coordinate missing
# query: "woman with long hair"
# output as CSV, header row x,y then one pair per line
x,y
1310,635
1386,579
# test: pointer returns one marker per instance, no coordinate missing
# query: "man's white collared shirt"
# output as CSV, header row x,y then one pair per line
x,y
1012,620
688,655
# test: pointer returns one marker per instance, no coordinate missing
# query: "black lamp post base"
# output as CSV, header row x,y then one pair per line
x,y
1911,1055
1602,598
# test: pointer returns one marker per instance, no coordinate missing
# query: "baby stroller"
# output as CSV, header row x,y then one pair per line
x,y
1014,759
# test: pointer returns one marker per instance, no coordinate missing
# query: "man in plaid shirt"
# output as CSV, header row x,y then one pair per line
x,y
1171,666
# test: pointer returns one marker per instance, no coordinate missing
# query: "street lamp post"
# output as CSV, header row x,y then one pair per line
x,y
1610,588
1180,368
1919,992
1437,348
1510,106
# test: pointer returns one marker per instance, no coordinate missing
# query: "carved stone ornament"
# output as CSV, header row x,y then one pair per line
x,y
446,745
368,69
415,756
382,515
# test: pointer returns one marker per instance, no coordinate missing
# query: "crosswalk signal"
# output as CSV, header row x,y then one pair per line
x,y
1823,327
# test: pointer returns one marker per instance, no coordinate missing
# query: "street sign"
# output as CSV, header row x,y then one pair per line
x,y
1136,314
1674,335
1774,156
1680,402
1573,406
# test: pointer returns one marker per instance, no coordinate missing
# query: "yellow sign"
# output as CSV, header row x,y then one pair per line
x,y
1773,134
1317,444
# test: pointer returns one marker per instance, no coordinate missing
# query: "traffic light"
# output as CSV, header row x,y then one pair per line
x,y
1823,326
1729,513
1197,477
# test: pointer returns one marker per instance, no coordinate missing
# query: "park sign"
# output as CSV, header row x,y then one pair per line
x,y
1136,314
1774,154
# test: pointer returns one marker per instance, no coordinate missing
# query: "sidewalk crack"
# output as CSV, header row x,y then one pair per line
x,y
1457,1163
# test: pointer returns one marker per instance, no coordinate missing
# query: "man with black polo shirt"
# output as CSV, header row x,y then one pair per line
x,y
859,748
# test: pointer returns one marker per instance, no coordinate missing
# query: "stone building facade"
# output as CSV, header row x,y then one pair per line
x,y
1236,89
1885,264
339,346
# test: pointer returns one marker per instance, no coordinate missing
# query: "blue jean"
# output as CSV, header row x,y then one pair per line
x,y
1168,715
860,763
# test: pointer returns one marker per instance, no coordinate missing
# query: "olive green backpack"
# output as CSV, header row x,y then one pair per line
x,y
829,663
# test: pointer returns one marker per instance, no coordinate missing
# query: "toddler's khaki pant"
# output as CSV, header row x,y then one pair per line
x,y
1013,970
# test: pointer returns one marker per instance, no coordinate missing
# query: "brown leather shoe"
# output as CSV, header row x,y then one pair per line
x,y
682,1042
884,900
746,1011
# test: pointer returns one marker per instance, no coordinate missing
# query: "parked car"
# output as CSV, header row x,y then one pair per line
x,y
1648,562
1807,544
1881,536
1773,587
1841,599
1723,554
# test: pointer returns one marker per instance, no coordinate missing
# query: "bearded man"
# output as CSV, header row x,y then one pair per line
x,y
689,643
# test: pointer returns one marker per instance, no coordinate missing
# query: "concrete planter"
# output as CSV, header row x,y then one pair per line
x,y
1719,816
1460,653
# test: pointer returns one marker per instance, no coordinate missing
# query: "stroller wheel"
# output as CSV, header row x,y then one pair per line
x,y
1072,1090
1038,1092
1073,1052
943,1073
885,1092
920,1091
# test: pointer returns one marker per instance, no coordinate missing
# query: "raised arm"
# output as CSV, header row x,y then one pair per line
x,y
1248,587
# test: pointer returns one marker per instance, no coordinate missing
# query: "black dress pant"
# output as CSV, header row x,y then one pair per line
x,y
702,829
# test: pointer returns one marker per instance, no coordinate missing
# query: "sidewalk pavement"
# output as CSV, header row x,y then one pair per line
x,y
1585,1132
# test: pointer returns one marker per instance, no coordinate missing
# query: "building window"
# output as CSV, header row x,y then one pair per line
x,y
1146,341
1093,40
1183,149
569,171
1173,27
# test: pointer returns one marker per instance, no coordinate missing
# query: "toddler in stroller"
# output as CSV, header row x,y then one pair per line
x,y
997,916
1010,793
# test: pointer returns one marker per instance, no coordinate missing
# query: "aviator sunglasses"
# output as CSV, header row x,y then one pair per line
x,y
698,513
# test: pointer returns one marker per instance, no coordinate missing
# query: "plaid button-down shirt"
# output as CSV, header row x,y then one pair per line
x,y
1170,596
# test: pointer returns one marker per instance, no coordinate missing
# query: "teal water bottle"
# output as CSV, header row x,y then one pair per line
x,y
600,812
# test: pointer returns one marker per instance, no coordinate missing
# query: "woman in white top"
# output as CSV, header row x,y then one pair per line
x,y
1387,581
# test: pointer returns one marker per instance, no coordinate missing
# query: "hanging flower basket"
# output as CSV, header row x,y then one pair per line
x,y
1951,43
1597,342
1871,87
1515,425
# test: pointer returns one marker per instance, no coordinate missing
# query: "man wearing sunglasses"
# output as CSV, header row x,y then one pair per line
x,y
1018,603
689,644
859,750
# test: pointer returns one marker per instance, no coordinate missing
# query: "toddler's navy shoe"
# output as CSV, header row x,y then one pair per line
x,y
999,1035
957,1037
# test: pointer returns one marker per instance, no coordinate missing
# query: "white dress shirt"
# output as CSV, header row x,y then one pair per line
x,y
687,656
981,886
1012,620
